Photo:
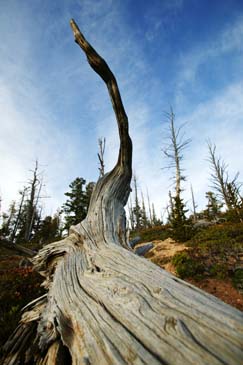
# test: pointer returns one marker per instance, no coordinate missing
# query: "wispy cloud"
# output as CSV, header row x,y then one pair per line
x,y
53,107
223,43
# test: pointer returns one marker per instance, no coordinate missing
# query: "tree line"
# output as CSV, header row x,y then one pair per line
x,y
24,220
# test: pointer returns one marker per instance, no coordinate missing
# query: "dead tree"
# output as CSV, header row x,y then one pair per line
x,y
22,193
228,190
149,208
174,152
136,209
31,206
105,305
193,206
101,143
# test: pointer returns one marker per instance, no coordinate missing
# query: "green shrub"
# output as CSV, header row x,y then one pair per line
x,y
219,270
238,279
186,266
220,238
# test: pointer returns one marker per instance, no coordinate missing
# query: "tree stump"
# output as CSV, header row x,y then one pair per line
x,y
107,306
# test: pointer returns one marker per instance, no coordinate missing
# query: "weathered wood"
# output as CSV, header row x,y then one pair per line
x,y
107,306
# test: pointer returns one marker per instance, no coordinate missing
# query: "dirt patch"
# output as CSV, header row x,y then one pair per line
x,y
163,252
222,289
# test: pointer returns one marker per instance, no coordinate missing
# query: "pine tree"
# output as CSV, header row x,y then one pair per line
x,y
8,221
213,208
49,229
236,201
180,224
155,220
76,207
18,217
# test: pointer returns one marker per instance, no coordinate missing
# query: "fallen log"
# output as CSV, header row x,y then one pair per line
x,y
17,248
105,305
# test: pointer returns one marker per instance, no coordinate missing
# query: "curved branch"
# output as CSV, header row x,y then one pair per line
x,y
99,65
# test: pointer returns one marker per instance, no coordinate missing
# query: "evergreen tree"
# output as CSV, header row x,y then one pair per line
x,y
49,229
76,207
235,213
181,226
155,220
8,222
18,217
213,208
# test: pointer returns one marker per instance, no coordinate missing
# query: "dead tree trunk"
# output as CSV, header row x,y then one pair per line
x,y
101,144
107,306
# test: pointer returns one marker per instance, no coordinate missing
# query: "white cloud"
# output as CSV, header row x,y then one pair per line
x,y
56,109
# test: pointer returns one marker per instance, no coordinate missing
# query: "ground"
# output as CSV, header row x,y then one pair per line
x,y
212,260
19,284
165,250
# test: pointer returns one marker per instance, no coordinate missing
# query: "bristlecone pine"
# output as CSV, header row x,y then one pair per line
x,y
107,306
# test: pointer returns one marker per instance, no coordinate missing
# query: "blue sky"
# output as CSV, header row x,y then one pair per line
x,y
182,53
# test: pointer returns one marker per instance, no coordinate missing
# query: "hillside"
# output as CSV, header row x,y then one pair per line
x,y
211,260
